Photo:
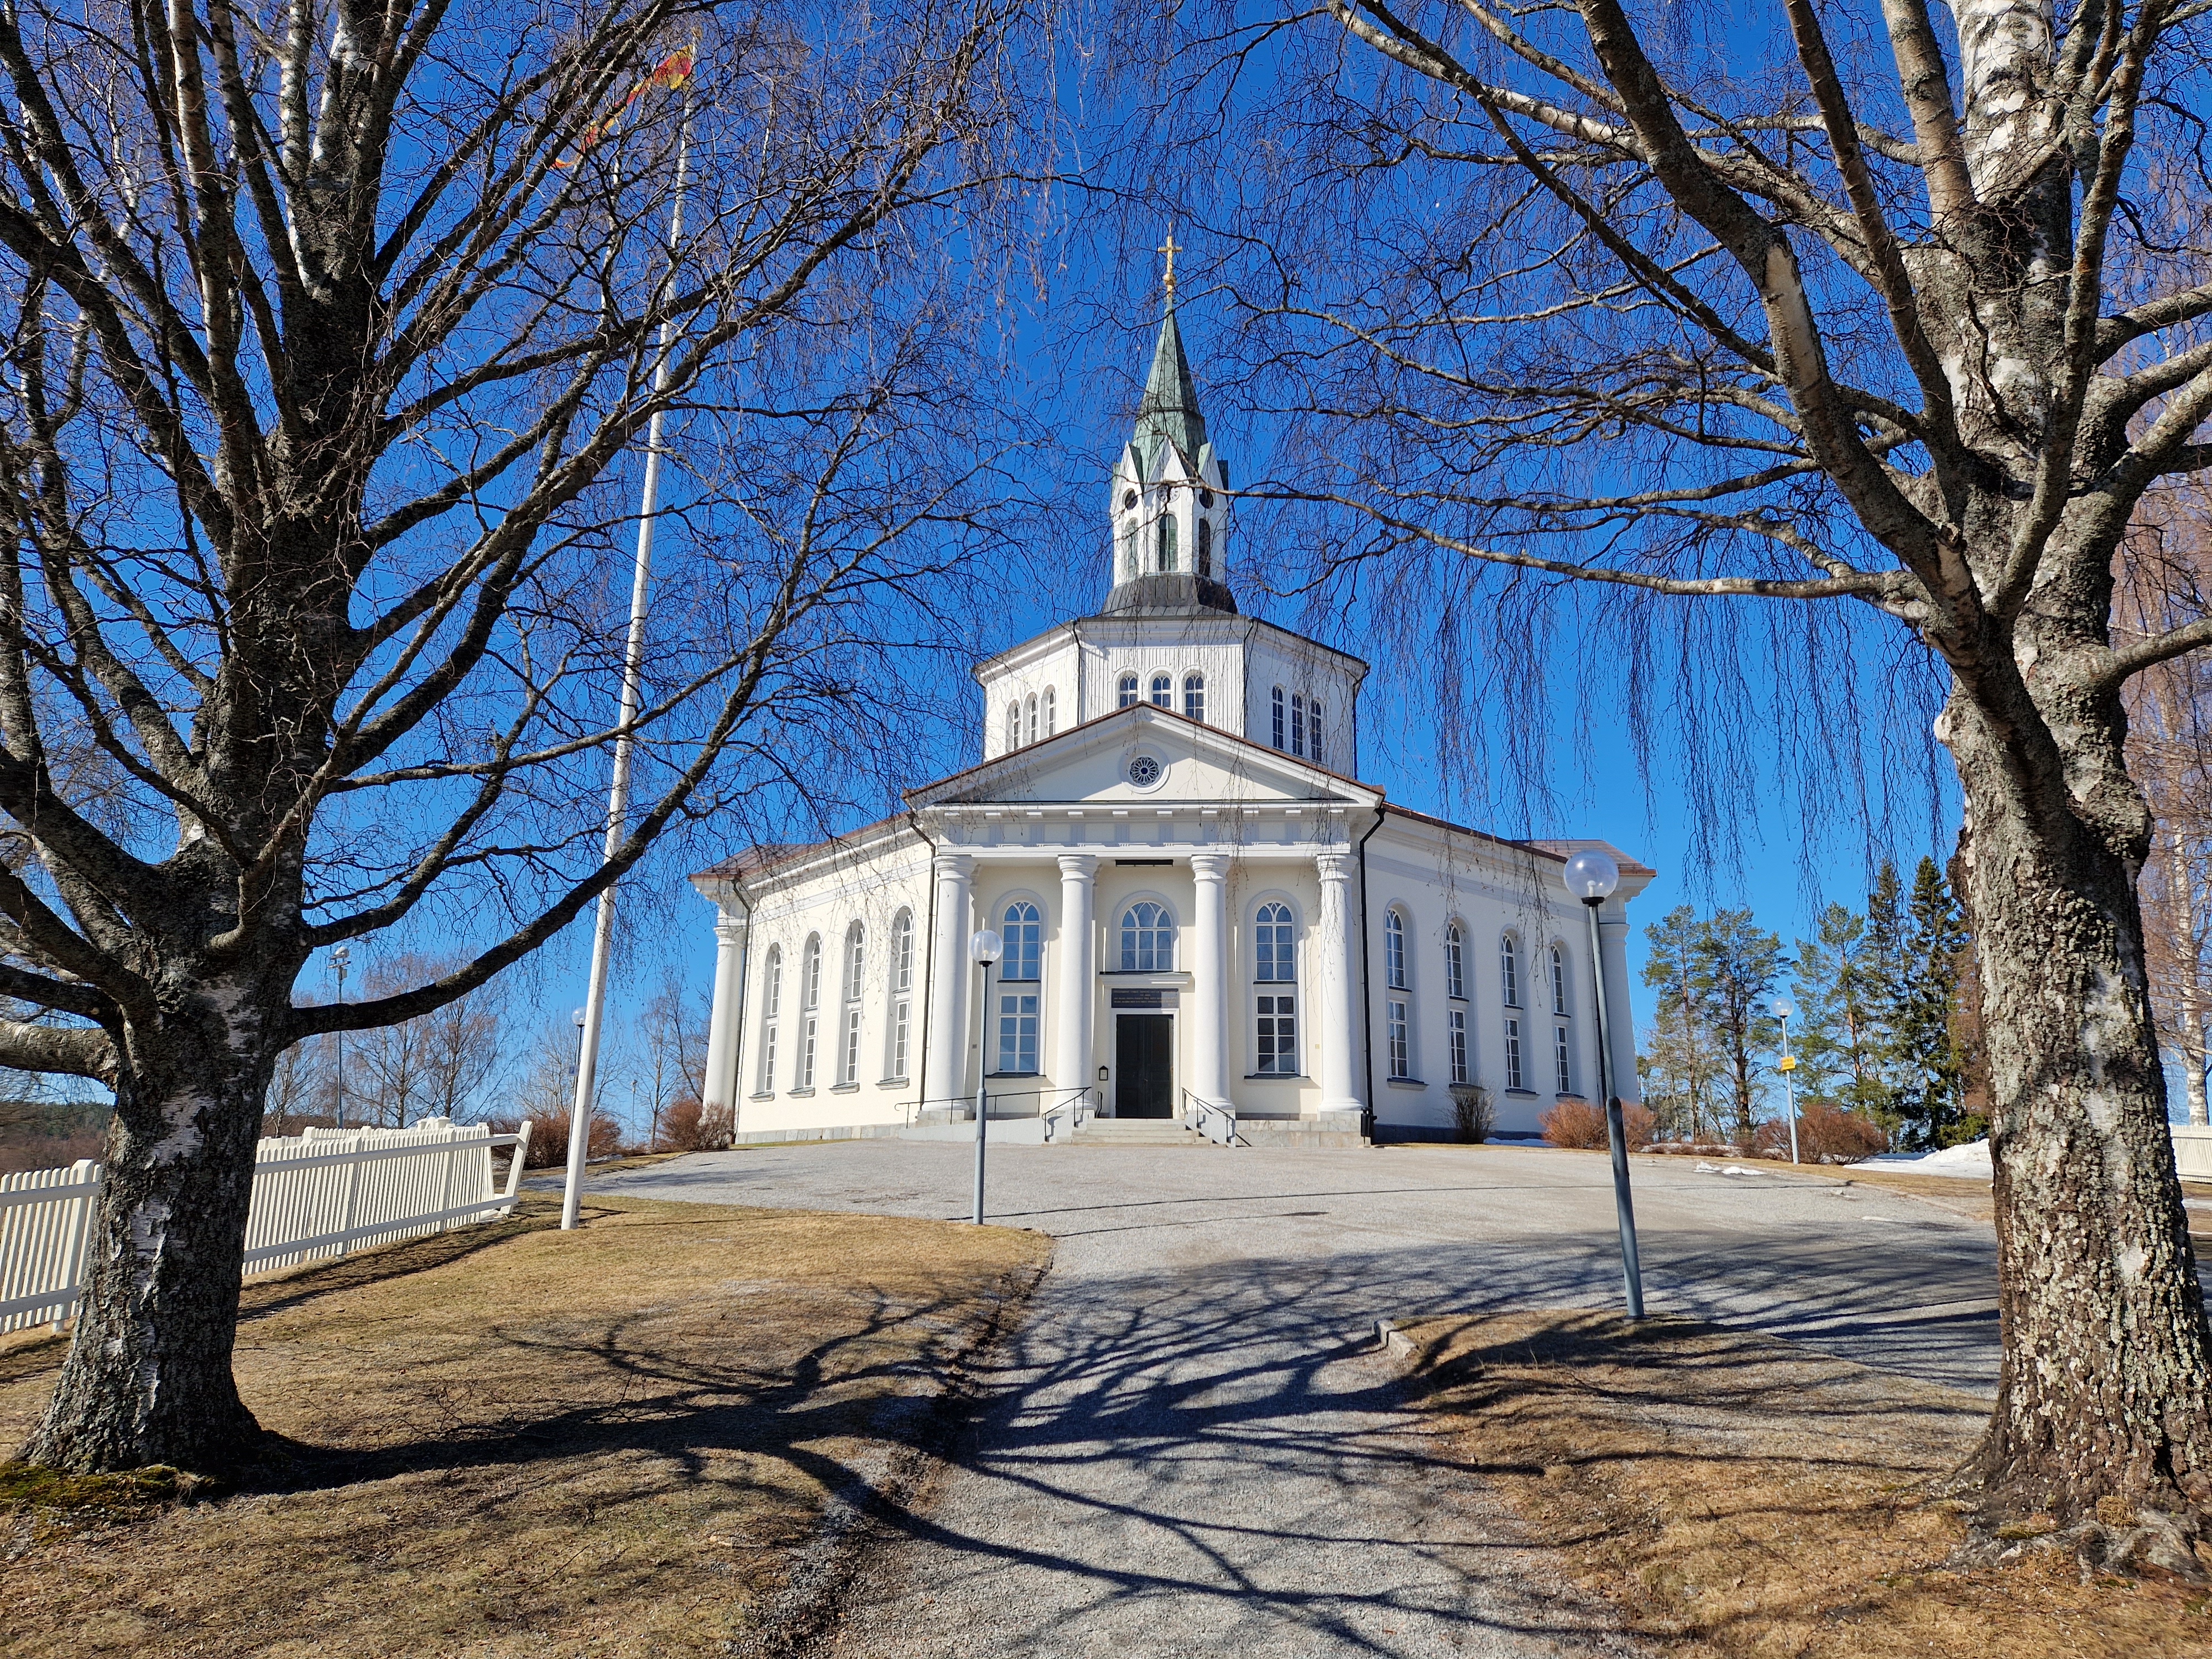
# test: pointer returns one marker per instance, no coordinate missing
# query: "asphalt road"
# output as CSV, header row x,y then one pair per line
x,y
1190,1450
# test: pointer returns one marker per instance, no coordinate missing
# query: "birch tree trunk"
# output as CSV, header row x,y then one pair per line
x,y
1906,334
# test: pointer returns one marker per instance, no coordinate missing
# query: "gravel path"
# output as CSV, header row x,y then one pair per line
x,y
1191,1449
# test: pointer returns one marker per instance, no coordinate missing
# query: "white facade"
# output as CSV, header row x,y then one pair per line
x,y
1200,903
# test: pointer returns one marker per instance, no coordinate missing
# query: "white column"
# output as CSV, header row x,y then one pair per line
x,y
1335,1004
1613,951
1073,1066
1209,978
728,1015
946,1077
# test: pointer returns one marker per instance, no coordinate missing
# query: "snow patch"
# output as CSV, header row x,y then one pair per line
x,y
1968,1162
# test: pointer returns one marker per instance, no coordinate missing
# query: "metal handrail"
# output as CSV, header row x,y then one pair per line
x,y
966,1103
1216,1122
1076,1103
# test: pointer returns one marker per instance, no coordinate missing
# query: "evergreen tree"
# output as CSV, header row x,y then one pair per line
x,y
1841,1044
1931,1096
1680,1065
1733,963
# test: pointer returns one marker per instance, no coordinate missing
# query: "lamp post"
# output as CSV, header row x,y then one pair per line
x,y
1788,1067
983,949
1591,877
339,960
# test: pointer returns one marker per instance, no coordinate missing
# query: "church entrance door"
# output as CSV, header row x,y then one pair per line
x,y
1144,1065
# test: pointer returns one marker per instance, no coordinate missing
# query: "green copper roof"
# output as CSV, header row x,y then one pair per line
x,y
1169,413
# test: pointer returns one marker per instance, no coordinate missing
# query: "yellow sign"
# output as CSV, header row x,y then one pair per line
x,y
1787,1063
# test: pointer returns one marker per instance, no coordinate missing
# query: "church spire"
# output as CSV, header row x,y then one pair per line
x,y
1169,413
1169,492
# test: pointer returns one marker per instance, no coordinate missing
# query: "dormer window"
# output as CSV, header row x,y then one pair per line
x,y
1127,695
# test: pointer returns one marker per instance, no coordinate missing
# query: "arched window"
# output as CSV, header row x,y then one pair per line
x,y
1508,968
1022,930
1558,981
1194,697
1168,559
1205,547
848,1024
1274,940
1049,699
1298,724
1455,963
1147,939
1275,1010
771,1006
1013,725
810,1013
1279,739
1023,933
901,1020
1126,691
1313,730
1394,950
1163,690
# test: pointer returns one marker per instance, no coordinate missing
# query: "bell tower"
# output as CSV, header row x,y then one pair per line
x,y
1169,514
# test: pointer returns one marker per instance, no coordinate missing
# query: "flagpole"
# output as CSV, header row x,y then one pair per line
x,y
603,932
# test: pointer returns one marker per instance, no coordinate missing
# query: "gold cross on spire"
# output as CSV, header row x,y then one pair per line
x,y
1170,248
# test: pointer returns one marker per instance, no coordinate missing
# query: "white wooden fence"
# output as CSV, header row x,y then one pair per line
x,y
320,1194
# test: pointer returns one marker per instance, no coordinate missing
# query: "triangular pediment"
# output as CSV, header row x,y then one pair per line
x,y
1111,762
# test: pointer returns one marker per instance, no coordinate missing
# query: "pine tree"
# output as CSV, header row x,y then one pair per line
x,y
1931,1098
1734,966
1680,1065
1841,1043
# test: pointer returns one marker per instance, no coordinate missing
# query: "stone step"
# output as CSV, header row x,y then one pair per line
x,y
1137,1131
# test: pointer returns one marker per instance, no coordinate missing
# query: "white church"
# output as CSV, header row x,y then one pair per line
x,y
1206,918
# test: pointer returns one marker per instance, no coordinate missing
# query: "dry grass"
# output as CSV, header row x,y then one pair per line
x,y
647,1437
1734,1496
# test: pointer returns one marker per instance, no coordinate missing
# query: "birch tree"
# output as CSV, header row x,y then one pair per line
x,y
328,329
1897,314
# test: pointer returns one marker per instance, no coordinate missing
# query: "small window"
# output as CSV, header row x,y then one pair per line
x,y
1205,547
1558,981
1194,697
1508,968
1035,734
855,941
1168,552
1298,724
1401,1046
1013,725
1162,692
1147,939
1022,932
1454,963
1279,737
1512,1053
1394,950
1127,692
1459,1045
1275,956
1560,1063
1049,699
1313,730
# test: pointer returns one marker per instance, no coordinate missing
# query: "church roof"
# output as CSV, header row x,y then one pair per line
x,y
1169,413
